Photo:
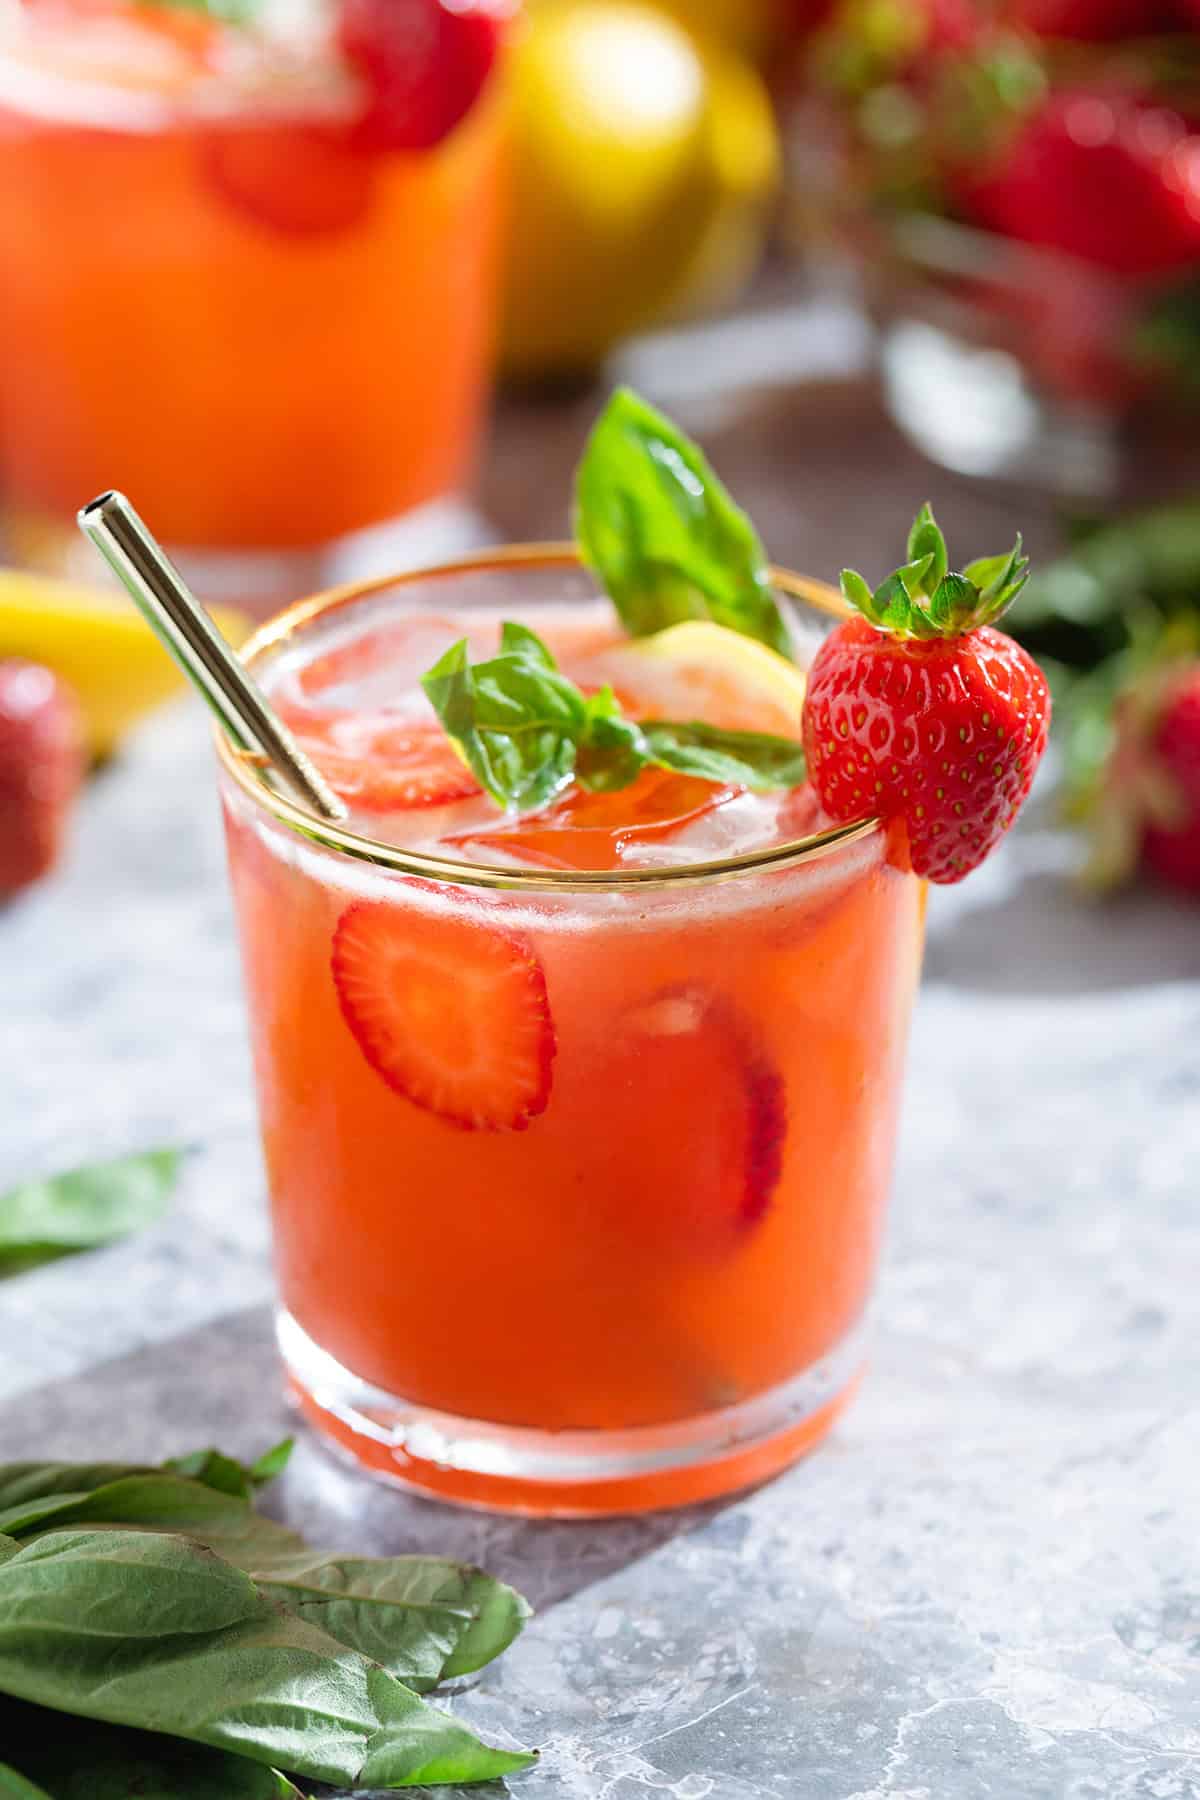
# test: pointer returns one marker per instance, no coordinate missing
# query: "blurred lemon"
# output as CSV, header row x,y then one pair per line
x,y
99,644
644,165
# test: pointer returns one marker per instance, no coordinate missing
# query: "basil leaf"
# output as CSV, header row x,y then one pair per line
x,y
527,731
663,535
226,1474
85,1208
745,758
150,1630
85,1761
158,1502
23,1482
424,1619
514,720
15,1787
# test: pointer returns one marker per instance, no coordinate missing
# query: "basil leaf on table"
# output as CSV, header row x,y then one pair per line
x,y
662,534
526,731
425,1619
85,1208
170,1503
152,1631
227,1475
23,1482
79,1760
15,1787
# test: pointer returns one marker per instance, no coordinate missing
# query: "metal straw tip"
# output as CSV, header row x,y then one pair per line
x,y
99,505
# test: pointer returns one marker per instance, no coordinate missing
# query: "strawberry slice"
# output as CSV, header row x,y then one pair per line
x,y
450,1011
424,63
380,762
401,651
687,1089
590,831
295,180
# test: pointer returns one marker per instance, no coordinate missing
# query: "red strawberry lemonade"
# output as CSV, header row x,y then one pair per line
x,y
579,1123
248,256
579,1044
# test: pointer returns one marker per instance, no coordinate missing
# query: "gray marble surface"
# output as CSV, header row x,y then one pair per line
x,y
986,1585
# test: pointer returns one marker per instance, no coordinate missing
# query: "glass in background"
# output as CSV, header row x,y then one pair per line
x,y
248,276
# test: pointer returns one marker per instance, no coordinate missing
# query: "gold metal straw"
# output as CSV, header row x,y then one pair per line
x,y
189,635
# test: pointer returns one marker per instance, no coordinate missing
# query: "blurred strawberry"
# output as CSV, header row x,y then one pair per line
x,y
1148,807
297,180
1093,20
41,768
1105,177
424,64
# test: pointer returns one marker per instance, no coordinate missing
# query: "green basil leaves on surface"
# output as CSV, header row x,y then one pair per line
x,y
13,1786
78,1760
173,1570
426,1620
85,1208
526,731
662,534
150,1630
227,1475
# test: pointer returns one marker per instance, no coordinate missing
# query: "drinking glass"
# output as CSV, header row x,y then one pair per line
x,y
656,1291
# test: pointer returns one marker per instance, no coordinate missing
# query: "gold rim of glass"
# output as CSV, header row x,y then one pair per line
x,y
248,769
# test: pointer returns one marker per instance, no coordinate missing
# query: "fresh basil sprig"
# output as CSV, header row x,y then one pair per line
x,y
84,1208
663,535
149,1629
425,1619
526,731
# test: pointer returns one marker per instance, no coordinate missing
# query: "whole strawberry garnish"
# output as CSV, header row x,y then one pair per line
x,y
423,63
1106,177
921,713
1147,810
41,768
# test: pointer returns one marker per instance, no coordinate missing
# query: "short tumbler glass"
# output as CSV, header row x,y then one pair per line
x,y
656,1292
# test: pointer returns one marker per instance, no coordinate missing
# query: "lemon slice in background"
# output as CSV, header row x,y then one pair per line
x,y
99,644
698,670
643,162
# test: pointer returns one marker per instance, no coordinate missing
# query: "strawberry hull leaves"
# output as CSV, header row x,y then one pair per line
x,y
663,536
924,599
526,731
177,1641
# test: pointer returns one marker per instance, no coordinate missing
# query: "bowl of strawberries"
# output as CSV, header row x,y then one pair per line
x,y
1018,185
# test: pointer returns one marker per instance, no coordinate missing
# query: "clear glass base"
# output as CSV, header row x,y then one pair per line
x,y
261,582
568,1474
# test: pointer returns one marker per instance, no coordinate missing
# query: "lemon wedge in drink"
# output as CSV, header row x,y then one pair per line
x,y
100,646
698,670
